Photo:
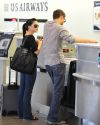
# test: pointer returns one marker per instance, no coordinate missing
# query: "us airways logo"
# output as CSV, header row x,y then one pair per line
x,y
22,7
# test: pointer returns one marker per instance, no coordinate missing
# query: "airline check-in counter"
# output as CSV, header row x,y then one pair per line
x,y
87,101
7,48
8,97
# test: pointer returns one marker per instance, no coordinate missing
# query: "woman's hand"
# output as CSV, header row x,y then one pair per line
x,y
39,42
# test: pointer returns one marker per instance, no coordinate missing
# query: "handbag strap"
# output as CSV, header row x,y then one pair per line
x,y
23,41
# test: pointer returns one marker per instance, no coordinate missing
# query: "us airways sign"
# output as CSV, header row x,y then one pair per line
x,y
26,7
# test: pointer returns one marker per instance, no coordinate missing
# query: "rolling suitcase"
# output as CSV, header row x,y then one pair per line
x,y
1,99
10,95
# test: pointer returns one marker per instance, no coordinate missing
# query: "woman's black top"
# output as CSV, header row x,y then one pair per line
x,y
30,43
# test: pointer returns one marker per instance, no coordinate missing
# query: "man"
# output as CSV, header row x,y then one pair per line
x,y
54,34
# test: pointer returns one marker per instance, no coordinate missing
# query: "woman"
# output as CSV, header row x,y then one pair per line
x,y
28,80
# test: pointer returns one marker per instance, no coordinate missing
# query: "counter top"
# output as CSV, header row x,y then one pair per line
x,y
95,80
89,44
4,58
18,37
68,60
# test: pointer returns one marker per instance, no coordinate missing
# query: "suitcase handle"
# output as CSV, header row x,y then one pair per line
x,y
14,83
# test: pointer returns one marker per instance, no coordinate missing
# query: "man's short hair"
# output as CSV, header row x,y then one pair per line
x,y
57,13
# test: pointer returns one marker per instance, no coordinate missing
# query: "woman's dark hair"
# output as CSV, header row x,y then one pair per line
x,y
29,22
57,13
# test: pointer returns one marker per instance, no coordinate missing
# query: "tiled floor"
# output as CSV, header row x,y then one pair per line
x,y
14,120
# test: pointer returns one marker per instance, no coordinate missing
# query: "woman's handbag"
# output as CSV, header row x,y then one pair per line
x,y
24,60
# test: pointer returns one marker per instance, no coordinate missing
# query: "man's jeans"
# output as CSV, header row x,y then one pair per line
x,y
57,74
25,91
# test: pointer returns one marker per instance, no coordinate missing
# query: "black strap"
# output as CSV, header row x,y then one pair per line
x,y
24,41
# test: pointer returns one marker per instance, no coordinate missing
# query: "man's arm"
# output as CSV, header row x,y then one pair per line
x,y
66,36
82,40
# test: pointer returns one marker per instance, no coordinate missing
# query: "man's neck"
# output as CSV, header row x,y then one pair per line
x,y
57,21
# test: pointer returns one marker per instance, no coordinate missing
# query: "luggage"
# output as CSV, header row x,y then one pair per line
x,y
10,96
68,98
1,99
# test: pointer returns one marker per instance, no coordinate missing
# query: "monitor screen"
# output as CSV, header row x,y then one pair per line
x,y
5,40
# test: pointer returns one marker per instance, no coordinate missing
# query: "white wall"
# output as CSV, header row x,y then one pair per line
x,y
79,15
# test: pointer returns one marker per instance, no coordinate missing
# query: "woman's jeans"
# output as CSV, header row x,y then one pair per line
x,y
25,92
57,74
